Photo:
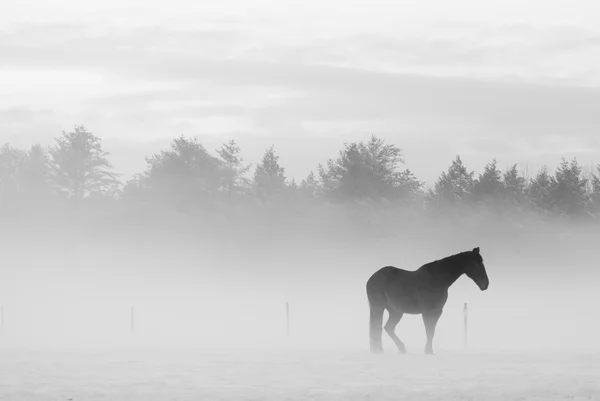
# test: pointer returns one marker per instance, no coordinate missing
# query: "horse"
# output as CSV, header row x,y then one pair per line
x,y
420,292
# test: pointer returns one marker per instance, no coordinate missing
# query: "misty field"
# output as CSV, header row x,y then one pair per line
x,y
210,321
284,374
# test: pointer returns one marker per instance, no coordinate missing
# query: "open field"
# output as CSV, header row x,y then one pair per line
x,y
153,374
67,294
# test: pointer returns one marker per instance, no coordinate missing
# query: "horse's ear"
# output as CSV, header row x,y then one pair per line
x,y
476,250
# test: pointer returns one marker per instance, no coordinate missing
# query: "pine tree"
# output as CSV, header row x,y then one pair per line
x,y
488,187
234,168
514,186
454,186
309,187
269,176
595,191
539,191
568,189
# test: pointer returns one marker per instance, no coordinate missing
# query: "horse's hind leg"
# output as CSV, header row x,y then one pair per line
x,y
375,322
390,328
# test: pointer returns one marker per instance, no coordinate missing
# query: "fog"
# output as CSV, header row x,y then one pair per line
x,y
72,278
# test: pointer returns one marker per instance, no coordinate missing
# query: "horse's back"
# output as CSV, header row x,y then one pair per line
x,y
389,272
381,276
381,279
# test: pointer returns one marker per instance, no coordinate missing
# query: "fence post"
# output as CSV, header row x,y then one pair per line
x,y
466,333
287,318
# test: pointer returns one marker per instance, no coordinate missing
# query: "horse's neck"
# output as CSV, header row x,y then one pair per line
x,y
447,270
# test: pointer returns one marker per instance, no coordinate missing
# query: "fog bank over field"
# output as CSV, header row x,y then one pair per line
x,y
204,249
71,278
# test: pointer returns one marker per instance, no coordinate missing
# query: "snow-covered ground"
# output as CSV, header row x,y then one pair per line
x,y
152,374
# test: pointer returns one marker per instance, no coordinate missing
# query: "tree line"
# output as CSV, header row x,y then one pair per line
x,y
76,170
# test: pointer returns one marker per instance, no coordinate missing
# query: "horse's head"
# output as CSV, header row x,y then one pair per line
x,y
475,270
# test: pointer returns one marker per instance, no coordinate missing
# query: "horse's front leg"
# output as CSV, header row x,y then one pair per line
x,y
430,319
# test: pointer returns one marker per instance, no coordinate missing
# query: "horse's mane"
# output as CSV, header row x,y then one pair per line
x,y
448,260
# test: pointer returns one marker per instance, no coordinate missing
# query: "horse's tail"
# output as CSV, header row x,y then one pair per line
x,y
377,305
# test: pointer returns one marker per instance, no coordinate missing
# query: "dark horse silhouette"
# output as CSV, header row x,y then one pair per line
x,y
423,291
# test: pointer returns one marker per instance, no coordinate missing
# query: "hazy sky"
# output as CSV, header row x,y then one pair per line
x,y
506,79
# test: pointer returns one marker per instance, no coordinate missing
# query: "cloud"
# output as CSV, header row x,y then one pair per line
x,y
160,83
19,115
489,51
339,93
